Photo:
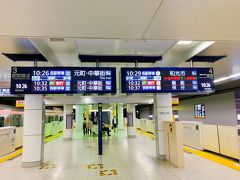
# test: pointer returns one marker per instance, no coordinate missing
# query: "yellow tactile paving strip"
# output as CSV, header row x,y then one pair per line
x,y
215,158
111,172
95,166
47,166
18,152
10,156
102,172
210,156
146,133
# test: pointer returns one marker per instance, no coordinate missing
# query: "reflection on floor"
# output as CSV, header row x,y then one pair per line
x,y
123,159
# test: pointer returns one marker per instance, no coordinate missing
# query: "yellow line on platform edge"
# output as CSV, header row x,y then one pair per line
x,y
19,151
146,133
215,158
210,156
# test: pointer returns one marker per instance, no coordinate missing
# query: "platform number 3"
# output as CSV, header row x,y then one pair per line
x,y
14,70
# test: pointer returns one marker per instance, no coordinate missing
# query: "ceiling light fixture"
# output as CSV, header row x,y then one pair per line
x,y
226,78
57,39
184,42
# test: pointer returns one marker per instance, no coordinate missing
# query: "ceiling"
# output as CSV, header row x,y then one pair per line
x,y
123,47
125,19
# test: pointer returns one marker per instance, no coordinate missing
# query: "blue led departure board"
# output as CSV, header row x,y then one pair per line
x,y
160,80
62,80
5,92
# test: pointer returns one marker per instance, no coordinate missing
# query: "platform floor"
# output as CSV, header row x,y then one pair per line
x,y
126,159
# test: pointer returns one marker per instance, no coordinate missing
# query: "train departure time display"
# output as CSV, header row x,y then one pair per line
x,y
5,92
167,79
62,80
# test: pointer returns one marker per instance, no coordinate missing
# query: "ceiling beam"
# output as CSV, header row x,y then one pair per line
x,y
181,53
59,53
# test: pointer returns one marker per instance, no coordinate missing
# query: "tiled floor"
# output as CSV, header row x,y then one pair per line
x,y
132,159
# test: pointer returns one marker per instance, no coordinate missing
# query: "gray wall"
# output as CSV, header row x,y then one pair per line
x,y
220,109
144,112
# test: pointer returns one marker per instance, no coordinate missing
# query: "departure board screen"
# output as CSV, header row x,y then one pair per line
x,y
5,92
62,80
160,80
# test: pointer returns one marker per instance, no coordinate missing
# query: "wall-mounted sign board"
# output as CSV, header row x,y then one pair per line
x,y
167,79
62,80
199,111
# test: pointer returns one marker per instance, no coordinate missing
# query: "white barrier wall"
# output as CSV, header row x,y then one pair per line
x,y
192,134
145,125
228,141
210,137
219,131
7,140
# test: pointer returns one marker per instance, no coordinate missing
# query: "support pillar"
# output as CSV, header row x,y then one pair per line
x,y
162,112
111,117
79,116
100,144
131,117
67,122
120,115
33,134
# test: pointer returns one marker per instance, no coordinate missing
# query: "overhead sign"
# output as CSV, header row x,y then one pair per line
x,y
62,80
19,103
167,79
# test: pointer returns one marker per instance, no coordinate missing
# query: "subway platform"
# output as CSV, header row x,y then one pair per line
x,y
123,159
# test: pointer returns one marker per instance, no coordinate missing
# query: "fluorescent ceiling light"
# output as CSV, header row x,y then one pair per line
x,y
184,42
226,78
220,79
234,75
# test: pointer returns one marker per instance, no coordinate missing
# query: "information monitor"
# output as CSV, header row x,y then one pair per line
x,y
62,80
167,79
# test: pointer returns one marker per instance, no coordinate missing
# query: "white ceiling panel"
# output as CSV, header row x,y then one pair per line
x,y
226,66
180,53
77,18
230,64
196,20
16,45
123,47
7,63
220,48
58,53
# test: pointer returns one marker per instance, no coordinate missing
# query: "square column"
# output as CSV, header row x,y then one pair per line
x,y
33,131
79,116
120,115
67,122
131,118
162,112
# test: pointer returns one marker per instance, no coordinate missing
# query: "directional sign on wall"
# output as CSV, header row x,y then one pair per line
x,y
62,80
172,79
